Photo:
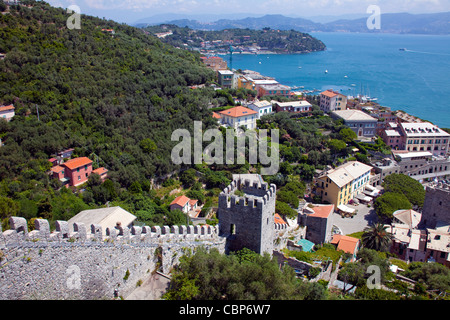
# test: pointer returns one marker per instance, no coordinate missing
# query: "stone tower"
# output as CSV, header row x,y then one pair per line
x,y
436,207
247,221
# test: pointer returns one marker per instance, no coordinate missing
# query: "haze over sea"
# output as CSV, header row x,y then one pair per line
x,y
416,80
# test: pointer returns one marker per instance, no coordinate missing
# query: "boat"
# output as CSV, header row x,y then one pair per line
x,y
299,67
402,49
326,71
345,77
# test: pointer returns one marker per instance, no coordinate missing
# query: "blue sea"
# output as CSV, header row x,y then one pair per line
x,y
416,80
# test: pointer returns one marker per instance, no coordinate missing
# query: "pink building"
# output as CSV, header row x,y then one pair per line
x,y
73,172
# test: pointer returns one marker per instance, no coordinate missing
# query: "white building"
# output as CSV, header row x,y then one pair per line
x,y
239,117
300,106
262,107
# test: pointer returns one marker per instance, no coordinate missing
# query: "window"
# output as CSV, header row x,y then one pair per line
x,y
79,178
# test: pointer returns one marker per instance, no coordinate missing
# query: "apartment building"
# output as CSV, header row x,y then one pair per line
x,y
338,186
331,100
424,136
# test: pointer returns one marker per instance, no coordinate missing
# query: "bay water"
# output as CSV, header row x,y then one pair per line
x,y
416,80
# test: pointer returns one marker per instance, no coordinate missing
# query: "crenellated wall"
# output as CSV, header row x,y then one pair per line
x,y
84,264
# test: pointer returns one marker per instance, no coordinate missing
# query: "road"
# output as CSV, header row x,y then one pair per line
x,y
364,218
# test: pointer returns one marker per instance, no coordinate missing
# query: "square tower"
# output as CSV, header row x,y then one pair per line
x,y
246,214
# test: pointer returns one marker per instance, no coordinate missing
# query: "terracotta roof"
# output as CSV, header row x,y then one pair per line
x,y
279,219
329,93
77,162
181,201
238,112
6,108
192,202
322,211
345,243
216,115
100,171
57,169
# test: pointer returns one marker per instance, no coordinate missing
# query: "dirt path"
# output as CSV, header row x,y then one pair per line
x,y
151,289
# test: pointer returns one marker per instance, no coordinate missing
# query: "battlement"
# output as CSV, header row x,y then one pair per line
x,y
441,185
257,194
18,234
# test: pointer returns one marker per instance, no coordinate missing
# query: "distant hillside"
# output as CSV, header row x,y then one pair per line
x,y
106,95
432,23
250,40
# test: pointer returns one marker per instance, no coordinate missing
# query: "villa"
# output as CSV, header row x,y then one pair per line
x,y
239,117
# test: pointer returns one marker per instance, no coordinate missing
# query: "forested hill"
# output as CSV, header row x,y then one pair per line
x,y
116,96
274,40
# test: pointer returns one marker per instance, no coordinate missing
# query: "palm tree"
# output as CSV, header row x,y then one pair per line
x,y
377,237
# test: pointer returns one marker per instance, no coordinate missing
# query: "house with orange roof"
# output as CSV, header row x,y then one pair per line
x,y
7,112
73,172
102,172
77,170
346,244
318,222
239,117
331,101
184,204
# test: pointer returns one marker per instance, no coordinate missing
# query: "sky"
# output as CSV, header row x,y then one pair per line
x,y
129,11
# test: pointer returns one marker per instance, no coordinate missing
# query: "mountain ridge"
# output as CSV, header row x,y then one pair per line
x,y
402,22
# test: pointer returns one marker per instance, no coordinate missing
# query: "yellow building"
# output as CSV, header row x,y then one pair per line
x,y
338,186
245,82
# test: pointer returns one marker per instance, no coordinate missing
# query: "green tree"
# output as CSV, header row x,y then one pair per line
x,y
284,209
8,208
389,202
213,276
347,134
410,187
376,237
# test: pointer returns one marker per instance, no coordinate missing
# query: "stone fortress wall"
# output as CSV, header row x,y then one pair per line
x,y
84,264
87,264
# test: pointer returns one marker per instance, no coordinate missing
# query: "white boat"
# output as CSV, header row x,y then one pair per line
x,y
326,71
345,77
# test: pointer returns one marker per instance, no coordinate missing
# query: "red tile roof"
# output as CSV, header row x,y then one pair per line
x,y
181,201
57,169
329,93
6,108
322,211
345,243
216,115
279,219
77,162
100,171
238,112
